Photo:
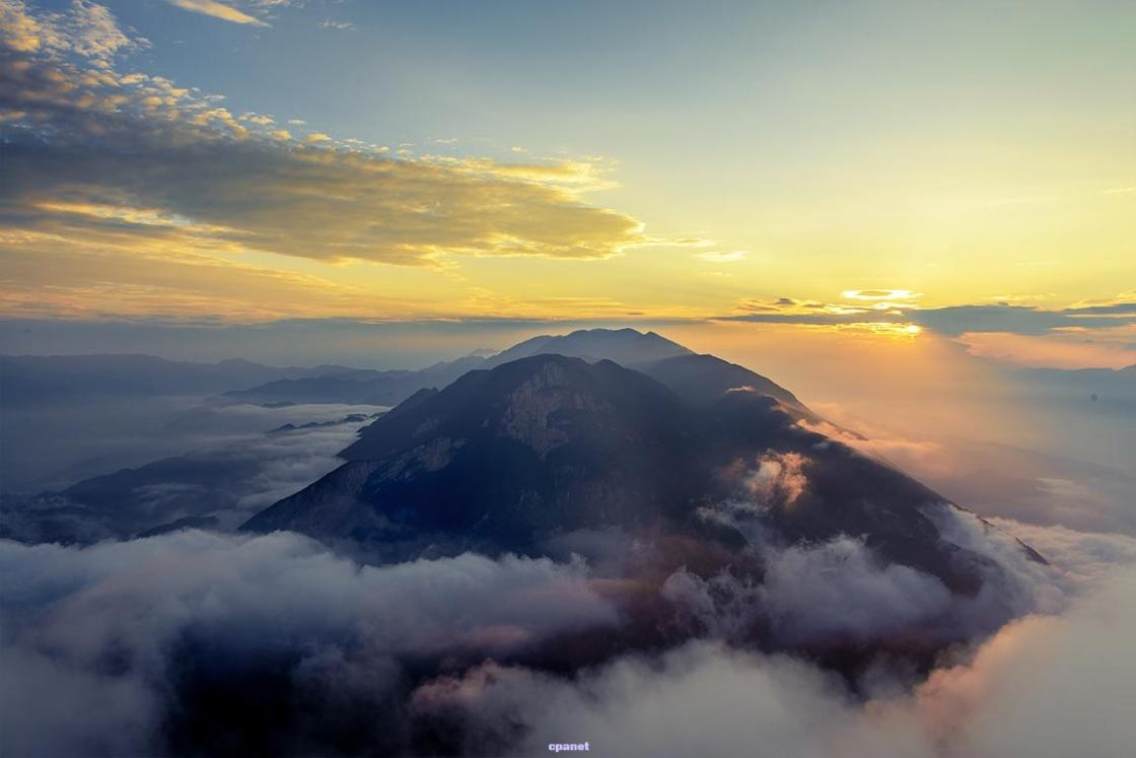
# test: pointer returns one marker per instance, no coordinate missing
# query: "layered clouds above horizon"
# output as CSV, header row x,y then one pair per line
x,y
142,189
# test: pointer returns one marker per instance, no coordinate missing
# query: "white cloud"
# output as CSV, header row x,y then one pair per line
x,y
779,478
84,29
90,636
880,295
1048,686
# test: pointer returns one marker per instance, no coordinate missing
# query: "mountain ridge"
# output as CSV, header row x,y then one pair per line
x,y
511,458
647,351
35,379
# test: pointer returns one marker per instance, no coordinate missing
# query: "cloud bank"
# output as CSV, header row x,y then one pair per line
x,y
1087,335
102,645
1046,686
202,642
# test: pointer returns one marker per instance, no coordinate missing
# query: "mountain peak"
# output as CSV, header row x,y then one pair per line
x,y
626,346
507,458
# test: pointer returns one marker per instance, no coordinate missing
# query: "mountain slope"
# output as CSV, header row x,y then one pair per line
x,y
516,457
703,379
504,456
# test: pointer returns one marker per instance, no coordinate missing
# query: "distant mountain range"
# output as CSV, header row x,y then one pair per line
x,y
355,386
29,380
204,488
625,346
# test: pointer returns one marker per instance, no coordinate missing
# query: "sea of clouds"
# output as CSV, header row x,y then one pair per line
x,y
122,648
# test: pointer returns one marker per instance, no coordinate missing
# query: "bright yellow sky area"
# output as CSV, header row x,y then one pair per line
x,y
760,161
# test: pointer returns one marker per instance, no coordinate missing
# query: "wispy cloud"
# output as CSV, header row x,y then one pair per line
x,y
218,10
719,257
878,295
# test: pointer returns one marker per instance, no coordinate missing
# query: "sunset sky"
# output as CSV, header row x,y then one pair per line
x,y
894,170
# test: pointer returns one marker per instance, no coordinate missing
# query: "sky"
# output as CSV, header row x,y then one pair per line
x,y
881,167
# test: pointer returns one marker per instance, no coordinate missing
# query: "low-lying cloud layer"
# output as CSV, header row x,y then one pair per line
x,y
214,465
98,641
196,641
1046,686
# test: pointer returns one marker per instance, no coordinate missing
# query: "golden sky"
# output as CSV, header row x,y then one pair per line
x,y
871,168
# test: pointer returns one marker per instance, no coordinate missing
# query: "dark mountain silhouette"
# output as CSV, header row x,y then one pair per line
x,y
515,457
